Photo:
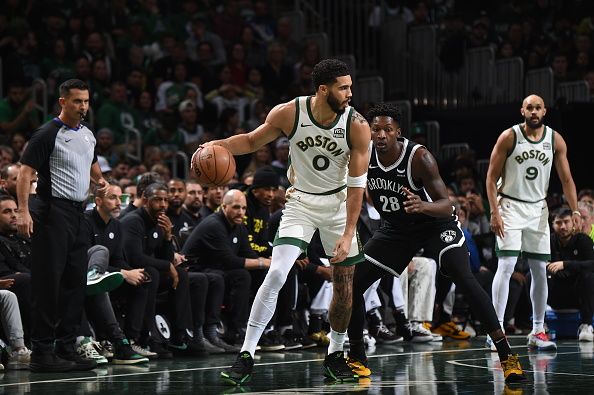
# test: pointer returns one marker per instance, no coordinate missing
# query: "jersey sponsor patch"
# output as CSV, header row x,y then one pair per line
x,y
447,236
338,133
546,146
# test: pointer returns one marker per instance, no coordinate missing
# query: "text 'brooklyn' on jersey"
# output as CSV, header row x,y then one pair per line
x,y
318,154
527,169
385,185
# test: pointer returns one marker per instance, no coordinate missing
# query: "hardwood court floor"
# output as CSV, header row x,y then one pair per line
x,y
435,368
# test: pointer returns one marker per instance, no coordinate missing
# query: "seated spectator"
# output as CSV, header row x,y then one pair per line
x,y
220,244
147,244
8,179
104,146
15,259
213,197
180,220
144,181
19,355
116,115
167,137
281,163
17,111
193,131
172,92
571,271
587,212
194,201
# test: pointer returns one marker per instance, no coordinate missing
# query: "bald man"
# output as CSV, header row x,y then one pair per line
x,y
517,184
220,244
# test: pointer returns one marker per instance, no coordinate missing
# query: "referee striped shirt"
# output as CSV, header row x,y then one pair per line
x,y
62,157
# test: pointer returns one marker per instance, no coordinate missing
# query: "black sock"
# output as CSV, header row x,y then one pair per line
x,y
211,331
374,318
315,323
503,348
357,350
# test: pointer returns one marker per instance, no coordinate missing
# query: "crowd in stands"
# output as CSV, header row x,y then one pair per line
x,y
182,73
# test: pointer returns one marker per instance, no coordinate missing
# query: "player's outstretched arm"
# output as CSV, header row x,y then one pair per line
x,y
564,172
503,146
360,137
424,168
279,120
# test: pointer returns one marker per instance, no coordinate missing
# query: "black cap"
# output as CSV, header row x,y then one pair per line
x,y
265,177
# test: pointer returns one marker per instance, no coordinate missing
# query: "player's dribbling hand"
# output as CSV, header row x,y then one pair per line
x,y
413,203
497,224
24,223
341,250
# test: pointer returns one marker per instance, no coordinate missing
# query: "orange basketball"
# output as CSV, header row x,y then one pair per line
x,y
213,165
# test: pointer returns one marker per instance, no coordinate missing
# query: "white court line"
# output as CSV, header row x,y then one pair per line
x,y
457,362
82,379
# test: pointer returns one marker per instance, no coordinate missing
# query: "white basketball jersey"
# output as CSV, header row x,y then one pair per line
x,y
527,168
318,155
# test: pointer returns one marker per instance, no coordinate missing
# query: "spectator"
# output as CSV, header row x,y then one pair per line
x,y
220,243
105,146
193,132
200,33
8,179
172,91
19,356
144,181
212,200
281,163
17,143
179,218
571,279
587,212
116,115
17,111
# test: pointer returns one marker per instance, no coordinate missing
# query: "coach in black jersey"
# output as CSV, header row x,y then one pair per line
x,y
62,153
408,192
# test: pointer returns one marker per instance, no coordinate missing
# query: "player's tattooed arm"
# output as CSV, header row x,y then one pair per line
x,y
356,117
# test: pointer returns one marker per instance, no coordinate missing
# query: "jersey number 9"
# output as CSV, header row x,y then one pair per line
x,y
531,173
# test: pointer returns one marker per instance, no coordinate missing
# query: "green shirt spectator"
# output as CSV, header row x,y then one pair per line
x,y
116,115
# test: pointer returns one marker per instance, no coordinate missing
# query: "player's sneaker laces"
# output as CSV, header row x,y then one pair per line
x,y
336,368
585,333
358,367
86,350
451,330
383,335
241,371
541,341
512,370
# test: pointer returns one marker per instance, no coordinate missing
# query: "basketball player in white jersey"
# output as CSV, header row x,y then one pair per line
x,y
328,153
517,184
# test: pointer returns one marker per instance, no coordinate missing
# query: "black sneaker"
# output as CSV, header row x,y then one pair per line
x,y
241,371
220,343
80,363
307,342
291,341
384,335
337,369
161,350
49,363
271,341
206,347
124,355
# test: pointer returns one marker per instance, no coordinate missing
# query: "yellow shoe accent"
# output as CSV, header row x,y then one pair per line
x,y
512,370
320,337
358,367
451,330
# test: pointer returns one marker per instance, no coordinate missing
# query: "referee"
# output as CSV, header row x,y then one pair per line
x,y
62,153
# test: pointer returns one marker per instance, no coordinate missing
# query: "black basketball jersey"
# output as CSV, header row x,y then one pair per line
x,y
386,183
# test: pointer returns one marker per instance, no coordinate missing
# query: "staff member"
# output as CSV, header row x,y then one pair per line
x,y
61,152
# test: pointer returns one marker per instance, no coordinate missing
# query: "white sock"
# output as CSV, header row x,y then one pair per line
x,y
500,288
539,292
283,258
336,341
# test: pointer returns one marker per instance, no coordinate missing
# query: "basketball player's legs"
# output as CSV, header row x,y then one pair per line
x,y
452,255
537,249
508,249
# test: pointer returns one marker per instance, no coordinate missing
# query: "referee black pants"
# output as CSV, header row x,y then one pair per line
x,y
59,244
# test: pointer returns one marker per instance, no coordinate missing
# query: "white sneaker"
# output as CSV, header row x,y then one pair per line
x,y
586,333
420,334
436,336
19,360
102,282
541,342
87,350
138,349
368,340
490,344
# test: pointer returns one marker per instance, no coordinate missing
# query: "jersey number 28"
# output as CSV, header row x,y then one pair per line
x,y
389,204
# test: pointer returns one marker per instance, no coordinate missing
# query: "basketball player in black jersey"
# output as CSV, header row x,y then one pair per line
x,y
408,192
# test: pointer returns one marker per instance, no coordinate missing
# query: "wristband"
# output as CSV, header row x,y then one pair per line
x,y
261,263
577,212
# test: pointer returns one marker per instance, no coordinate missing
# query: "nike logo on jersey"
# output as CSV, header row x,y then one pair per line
x,y
400,171
67,140
373,167
304,125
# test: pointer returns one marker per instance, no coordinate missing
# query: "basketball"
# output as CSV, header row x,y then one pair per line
x,y
213,165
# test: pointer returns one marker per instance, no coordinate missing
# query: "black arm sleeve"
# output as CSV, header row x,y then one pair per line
x,y
134,234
